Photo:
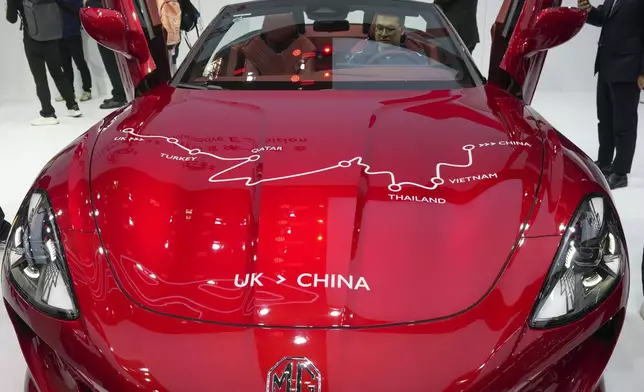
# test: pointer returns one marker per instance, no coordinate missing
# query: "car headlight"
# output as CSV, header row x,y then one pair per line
x,y
587,268
34,259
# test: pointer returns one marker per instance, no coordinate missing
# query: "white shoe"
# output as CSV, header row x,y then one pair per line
x,y
74,112
42,121
85,96
60,99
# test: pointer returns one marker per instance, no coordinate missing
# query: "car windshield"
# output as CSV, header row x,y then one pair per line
x,y
329,44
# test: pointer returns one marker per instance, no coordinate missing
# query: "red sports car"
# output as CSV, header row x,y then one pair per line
x,y
326,196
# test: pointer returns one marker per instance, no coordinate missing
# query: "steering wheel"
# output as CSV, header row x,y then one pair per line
x,y
410,57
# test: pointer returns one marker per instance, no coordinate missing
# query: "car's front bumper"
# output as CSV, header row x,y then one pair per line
x,y
48,371
118,346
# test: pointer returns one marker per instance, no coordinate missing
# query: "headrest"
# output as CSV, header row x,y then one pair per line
x,y
372,30
279,28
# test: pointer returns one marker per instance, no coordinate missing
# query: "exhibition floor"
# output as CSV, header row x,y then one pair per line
x,y
26,149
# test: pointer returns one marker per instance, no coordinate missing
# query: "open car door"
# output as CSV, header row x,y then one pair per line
x,y
133,30
521,35
523,32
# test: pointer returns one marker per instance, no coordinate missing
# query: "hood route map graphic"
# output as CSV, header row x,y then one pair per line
x,y
395,186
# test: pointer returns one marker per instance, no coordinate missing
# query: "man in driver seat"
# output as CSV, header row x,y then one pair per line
x,y
389,33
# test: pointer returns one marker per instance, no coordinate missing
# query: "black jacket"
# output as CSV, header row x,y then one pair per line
x,y
620,53
15,9
462,15
71,20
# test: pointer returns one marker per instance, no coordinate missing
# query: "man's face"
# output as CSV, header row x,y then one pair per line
x,y
389,29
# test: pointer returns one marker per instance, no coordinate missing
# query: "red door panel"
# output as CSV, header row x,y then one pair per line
x,y
516,16
142,56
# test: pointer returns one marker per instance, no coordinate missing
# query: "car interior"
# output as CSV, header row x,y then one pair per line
x,y
287,48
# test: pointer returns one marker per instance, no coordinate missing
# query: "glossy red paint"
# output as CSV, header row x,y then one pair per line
x,y
501,351
106,26
122,347
453,273
153,210
120,30
565,167
532,37
524,27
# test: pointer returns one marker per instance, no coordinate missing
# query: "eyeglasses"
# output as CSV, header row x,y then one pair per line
x,y
386,29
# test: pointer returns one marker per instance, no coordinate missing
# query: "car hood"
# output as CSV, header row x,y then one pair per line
x,y
318,208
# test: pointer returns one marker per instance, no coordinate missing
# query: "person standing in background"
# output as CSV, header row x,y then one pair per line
x,y
170,13
462,15
108,57
619,65
71,47
5,227
189,21
42,28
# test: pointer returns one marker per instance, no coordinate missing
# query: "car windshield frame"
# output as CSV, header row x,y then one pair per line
x,y
216,30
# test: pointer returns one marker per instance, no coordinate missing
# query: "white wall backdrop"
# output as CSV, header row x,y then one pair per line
x,y
568,68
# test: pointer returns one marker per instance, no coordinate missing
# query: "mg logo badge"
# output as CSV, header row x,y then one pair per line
x,y
294,374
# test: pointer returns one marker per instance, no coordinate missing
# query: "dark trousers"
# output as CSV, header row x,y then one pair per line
x,y
617,105
72,48
112,69
43,56
471,48
176,53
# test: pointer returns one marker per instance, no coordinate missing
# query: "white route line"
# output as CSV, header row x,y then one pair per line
x,y
393,187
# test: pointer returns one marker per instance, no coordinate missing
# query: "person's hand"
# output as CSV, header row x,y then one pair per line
x,y
640,82
584,5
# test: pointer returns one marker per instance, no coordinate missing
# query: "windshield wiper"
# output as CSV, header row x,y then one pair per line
x,y
202,86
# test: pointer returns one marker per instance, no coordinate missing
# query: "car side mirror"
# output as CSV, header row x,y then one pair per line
x,y
552,27
109,28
